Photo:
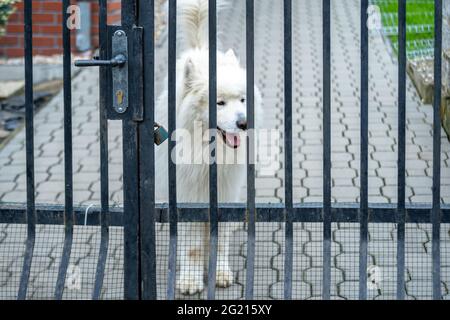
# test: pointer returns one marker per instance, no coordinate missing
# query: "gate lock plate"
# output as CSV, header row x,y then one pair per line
x,y
120,74
118,66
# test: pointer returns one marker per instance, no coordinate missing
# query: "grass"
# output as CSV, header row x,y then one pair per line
x,y
419,23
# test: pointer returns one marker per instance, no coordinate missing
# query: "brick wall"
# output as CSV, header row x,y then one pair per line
x,y
47,28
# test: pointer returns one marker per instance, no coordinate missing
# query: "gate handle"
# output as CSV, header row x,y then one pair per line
x,y
117,61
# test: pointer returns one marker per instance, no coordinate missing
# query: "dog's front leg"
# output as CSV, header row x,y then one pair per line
x,y
191,257
224,275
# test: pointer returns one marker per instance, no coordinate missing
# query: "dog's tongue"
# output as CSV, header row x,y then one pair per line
x,y
233,140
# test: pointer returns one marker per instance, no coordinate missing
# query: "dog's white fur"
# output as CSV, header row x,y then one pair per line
x,y
192,114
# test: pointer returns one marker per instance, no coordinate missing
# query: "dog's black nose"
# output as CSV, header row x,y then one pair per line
x,y
242,124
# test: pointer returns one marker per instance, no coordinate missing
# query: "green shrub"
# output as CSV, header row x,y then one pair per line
x,y
419,23
6,9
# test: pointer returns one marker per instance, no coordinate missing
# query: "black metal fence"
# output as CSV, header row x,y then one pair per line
x,y
141,213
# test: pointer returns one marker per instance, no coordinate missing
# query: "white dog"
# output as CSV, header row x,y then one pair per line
x,y
192,150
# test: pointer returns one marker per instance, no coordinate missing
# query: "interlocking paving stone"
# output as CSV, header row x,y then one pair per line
x,y
300,290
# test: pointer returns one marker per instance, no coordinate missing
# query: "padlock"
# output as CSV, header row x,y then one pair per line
x,y
160,134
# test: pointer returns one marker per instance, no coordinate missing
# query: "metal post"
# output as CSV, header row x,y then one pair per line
x,y
401,212
288,199
29,132
364,196
326,150
213,201
147,155
251,211
104,181
131,185
173,214
436,209
68,167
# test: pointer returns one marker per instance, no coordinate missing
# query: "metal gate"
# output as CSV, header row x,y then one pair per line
x,y
127,56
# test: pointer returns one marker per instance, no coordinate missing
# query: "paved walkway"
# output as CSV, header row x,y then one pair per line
x,y
307,166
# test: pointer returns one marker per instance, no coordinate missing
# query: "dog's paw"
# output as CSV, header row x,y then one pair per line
x,y
224,278
189,284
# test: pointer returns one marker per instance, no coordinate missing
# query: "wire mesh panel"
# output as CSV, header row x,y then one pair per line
x,y
162,259
113,283
308,251
46,260
382,266
192,260
345,262
445,253
419,285
269,261
12,249
80,278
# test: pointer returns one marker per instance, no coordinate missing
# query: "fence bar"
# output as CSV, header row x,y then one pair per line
x,y
289,242
173,213
401,211
147,155
29,134
364,212
326,149
68,167
436,210
229,212
104,181
130,134
251,212
213,203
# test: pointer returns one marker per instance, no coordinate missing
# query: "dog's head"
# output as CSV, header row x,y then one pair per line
x,y
231,94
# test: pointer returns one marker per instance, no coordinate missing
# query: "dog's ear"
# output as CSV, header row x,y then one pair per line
x,y
231,56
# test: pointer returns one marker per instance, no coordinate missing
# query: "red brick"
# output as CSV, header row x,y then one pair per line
x,y
16,16
46,51
9,41
13,52
42,6
51,7
37,6
47,26
19,6
59,42
58,18
14,28
94,19
114,18
55,29
95,41
114,6
40,41
48,18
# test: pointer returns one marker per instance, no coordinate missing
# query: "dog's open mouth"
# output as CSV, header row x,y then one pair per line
x,y
233,140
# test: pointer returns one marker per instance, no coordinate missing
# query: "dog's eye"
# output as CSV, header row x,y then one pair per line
x,y
243,100
221,103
